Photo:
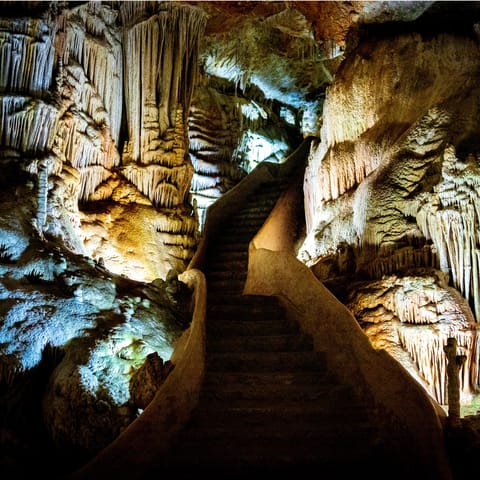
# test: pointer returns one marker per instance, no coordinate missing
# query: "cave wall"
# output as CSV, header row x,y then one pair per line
x,y
136,144
391,196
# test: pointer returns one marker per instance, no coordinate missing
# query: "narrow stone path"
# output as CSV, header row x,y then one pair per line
x,y
268,402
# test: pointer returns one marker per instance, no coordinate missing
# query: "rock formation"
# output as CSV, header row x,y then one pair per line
x,y
122,122
392,181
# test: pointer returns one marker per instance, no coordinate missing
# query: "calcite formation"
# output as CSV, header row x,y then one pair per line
x,y
393,183
122,122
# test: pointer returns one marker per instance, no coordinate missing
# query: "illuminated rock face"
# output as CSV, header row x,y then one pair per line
x,y
112,147
81,52
214,131
394,184
73,330
229,135
147,210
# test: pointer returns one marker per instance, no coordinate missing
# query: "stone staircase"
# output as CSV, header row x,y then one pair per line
x,y
268,403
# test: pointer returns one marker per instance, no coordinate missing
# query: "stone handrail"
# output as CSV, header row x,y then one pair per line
x,y
142,444
273,270
230,202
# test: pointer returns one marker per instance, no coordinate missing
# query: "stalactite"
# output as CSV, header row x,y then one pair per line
x,y
451,219
186,242
200,183
425,313
164,186
26,56
476,284
42,194
426,349
84,135
214,132
174,223
92,42
27,125
90,179
162,54
407,257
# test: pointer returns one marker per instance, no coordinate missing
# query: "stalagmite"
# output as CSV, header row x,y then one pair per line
x,y
454,361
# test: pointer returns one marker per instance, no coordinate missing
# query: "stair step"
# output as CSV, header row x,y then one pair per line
x,y
265,343
279,378
266,361
241,299
242,228
226,248
232,236
225,275
233,243
194,466
257,202
332,407
246,222
243,312
238,394
227,286
289,412
269,448
264,199
230,394
219,256
258,327
227,265
322,433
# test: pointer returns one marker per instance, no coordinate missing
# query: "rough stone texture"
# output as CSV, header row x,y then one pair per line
x,y
110,141
393,183
148,378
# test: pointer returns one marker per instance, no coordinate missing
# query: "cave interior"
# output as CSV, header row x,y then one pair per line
x,y
142,143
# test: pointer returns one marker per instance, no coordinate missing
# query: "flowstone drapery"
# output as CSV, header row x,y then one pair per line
x,y
152,66
388,185
72,333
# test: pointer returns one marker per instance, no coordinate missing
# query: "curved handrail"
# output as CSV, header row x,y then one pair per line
x,y
142,444
230,201
273,270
